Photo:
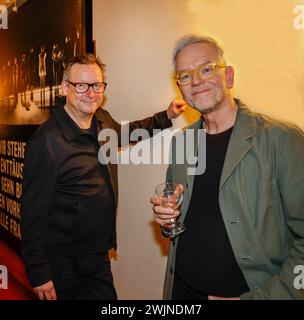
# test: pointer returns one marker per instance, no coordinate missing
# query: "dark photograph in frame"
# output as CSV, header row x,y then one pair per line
x,y
41,37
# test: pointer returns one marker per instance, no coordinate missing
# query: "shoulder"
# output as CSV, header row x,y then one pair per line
x,y
192,127
103,115
278,131
277,128
191,132
42,135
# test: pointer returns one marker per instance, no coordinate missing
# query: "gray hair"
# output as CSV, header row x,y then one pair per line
x,y
192,39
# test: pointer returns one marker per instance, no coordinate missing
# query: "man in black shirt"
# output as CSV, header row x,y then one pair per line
x,y
244,215
70,198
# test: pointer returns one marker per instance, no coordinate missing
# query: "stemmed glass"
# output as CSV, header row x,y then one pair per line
x,y
170,195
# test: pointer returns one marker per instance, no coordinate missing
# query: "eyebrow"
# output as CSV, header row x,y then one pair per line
x,y
207,62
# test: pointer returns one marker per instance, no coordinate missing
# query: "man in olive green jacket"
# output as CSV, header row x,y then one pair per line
x,y
261,185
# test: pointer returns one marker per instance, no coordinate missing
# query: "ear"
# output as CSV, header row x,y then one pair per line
x,y
229,74
64,85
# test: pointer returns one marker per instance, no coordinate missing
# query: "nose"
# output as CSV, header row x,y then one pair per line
x,y
196,79
90,92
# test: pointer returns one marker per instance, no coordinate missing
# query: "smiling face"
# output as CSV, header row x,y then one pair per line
x,y
83,105
204,95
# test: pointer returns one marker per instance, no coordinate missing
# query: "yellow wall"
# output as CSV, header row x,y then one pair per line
x,y
265,48
135,39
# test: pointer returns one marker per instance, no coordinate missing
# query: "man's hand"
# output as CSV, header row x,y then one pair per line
x,y
163,215
176,108
221,298
46,291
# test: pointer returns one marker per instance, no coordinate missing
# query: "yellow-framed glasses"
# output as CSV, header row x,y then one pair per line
x,y
205,71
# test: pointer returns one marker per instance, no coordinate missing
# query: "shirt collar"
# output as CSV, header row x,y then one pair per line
x,y
69,128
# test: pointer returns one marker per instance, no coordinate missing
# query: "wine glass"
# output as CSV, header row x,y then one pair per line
x,y
170,195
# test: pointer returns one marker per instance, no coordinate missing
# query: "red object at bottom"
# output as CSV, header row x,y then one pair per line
x,y
18,285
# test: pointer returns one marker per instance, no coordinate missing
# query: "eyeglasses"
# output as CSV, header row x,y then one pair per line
x,y
204,71
83,87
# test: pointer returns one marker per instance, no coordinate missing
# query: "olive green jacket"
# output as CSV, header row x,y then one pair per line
x,y
262,203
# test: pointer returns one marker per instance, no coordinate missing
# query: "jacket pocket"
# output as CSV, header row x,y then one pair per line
x,y
265,215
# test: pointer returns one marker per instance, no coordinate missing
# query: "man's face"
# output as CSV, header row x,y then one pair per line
x,y
204,95
83,104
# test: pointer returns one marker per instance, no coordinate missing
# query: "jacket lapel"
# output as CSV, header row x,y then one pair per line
x,y
190,178
240,142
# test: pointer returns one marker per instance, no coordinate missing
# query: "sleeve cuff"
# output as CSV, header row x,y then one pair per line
x,y
39,274
166,122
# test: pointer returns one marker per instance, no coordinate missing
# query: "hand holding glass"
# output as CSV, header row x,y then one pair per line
x,y
170,195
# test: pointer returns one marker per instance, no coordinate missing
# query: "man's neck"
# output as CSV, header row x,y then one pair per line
x,y
82,120
222,118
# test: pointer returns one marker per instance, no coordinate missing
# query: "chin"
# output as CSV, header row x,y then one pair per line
x,y
205,108
208,105
90,107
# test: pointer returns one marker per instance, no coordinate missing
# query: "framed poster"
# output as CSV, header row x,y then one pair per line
x,y
41,37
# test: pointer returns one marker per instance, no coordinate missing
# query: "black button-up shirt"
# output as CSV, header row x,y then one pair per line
x,y
67,200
